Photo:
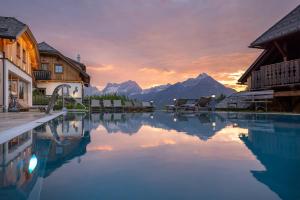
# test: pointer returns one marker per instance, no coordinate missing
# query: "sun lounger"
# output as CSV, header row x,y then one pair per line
x,y
147,106
128,106
107,105
117,104
95,105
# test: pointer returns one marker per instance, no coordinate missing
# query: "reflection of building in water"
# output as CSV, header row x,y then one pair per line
x,y
63,139
17,167
203,125
66,126
279,152
29,157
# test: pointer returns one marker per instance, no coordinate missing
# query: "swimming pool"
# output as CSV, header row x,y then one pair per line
x,y
155,156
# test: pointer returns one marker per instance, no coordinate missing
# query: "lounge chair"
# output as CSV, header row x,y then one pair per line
x,y
117,105
107,105
137,105
95,105
128,106
147,106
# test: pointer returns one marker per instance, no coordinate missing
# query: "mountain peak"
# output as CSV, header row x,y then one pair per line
x,y
124,88
202,75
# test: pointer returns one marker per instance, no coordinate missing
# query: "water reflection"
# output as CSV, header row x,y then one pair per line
x,y
203,125
276,144
34,155
273,140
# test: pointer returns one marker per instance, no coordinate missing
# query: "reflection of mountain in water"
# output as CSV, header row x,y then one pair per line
x,y
203,125
278,149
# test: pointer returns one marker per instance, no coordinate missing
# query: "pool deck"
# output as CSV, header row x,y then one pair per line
x,y
12,124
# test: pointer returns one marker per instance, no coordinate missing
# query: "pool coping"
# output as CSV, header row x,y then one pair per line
x,y
14,132
239,112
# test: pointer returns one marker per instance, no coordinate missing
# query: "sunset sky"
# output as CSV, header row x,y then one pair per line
x,y
152,42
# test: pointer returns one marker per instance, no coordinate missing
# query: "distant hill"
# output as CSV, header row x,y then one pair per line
x,y
203,85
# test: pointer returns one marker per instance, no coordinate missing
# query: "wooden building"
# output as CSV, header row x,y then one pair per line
x,y
278,66
56,69
18,57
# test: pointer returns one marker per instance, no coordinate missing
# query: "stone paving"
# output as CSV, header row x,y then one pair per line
x,y
10,120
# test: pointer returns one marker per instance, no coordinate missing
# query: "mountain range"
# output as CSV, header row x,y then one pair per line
x,y
202,85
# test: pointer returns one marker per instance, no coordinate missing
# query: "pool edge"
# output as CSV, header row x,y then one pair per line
x,y
13,132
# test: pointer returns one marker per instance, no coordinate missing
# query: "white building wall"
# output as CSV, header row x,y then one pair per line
x,y
1,81
11,68
50,86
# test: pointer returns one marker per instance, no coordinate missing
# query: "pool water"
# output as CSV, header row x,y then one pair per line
x,y
154,156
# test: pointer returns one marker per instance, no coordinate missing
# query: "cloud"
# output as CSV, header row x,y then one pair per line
x,y
152,42
101,68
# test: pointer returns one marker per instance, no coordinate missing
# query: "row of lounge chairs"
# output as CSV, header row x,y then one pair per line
x,y
119,106
190,105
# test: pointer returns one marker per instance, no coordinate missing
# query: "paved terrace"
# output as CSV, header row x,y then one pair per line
x,y
12,120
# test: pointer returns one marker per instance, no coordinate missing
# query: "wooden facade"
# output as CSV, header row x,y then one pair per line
x,y
276,75
69,73
56,69
19,56
22,52
278,66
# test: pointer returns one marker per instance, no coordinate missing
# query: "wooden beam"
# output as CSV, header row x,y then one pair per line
x,y
287,93
281,50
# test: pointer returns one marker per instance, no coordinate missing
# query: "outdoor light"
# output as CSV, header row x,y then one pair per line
x,y
214,124
32,163
175,120
174,99
213,96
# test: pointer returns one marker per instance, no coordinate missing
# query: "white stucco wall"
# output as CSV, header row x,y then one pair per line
x,y
11,68
50,86
1,80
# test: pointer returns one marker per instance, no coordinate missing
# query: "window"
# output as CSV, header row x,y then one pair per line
x,y
41,91
58,69
24,56
44,66
18,50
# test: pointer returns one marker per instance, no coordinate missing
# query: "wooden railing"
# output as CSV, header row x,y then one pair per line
x,y
42,75
276,75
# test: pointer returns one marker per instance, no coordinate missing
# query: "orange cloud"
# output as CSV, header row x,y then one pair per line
x,y
101,148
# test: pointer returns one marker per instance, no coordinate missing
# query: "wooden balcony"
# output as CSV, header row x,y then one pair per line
x,y
42,75
276,75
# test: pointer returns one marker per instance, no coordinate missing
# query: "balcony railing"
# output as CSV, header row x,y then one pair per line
x,y
276,75
42,75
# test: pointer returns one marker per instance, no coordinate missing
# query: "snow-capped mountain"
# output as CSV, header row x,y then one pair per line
x,y
126,88
202,85
155,89
91,91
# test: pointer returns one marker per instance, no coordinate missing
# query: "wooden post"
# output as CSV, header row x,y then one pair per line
x,y
281,50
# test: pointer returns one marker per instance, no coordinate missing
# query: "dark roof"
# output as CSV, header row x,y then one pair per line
x,y
286,26
244,77
81,65
11,28
46,48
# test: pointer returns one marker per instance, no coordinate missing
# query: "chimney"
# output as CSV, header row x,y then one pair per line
x,y
78,57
